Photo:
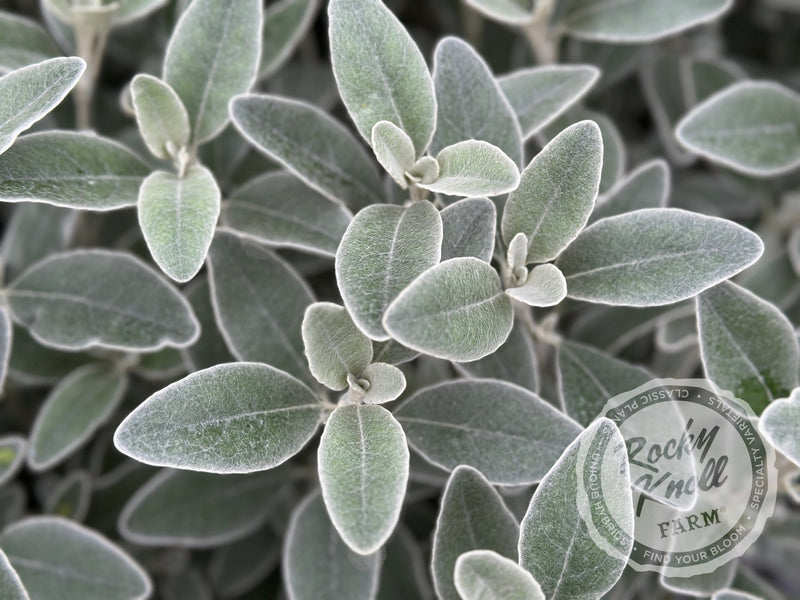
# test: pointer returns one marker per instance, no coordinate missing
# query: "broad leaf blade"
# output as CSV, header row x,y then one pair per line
x,y
508,433
317,563
249,282
10,584
383,250
455,310
212,56
486,575
254,417
72,413
363,470
76,170
472,516
545,286
469,227
31,92
655,256
556,544
474,168
748,346
379,70
386,383
100,298
285,24
752,127
780,422
556,193
58,559
335,165
178,215
161,116
648,186
394,150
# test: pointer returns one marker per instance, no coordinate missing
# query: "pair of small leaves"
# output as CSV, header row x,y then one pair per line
x,y
544,285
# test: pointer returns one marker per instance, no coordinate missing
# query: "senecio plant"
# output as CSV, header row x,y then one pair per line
x,y
304,300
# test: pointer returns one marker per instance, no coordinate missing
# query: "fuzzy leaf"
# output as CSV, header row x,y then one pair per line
x,y
249,282
178,216
780,422
386,383
748,346
556,193
73,412
474,168
540,94
31,92
455,310
76,170
471,105
545,286
513,12
58,559
588,378
278,209
394,150
363,470
636,21
253,417
335,164
379,70
317,563
12,456
23,42
485,575
646,187
285,24
752,127
392,352
514,361
556,544
469,227
10,585
334,346
212,56
383,250
472,516
200,510
161,116
100,298
508,433
655,256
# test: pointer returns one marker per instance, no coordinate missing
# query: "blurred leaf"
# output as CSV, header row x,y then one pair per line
x,y
702,584
71,496
12,456
648,186
10,584
513,12
468,229
23,42
404,573
238,567
780,422
161,116
209,349
285,24
474,168
485,575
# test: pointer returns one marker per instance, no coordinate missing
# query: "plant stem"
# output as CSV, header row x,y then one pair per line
x,y
91,26
543,41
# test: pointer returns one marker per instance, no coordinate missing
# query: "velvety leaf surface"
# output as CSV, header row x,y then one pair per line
x,y
71,169
317,563
646,187
469,227
253,417
383,250
212,56
508,433
87,298
363,470
308,142
474,168
514,361
386,383
285,24
12,456
162,117
10,584
545,286
748,346
486,575
472,516
379,70
780,422
455,310
394,150
58,559
655,256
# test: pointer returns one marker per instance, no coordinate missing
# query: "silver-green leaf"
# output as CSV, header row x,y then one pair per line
x,y
474,168
394,150
456,310
212,56
383,250
162,117
100,298
363,470
253,417
10,584
385,383
507,432
655,256
486,575
469,229
648,186
379,70
780,422
23,42
545,286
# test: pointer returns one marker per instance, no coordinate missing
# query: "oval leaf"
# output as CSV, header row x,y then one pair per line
x,y
212,56
394,150
162,117
455,310
76,170
237,568
485,575
58,559
31,92
655,256
474,168
12,455
472,516
383,250
646,187
335,164
545,286
10,584
747,345
254,417
386,383
469,228
508,433
556,193
178,215
752,127
100,298
72,413
363,469
379,70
